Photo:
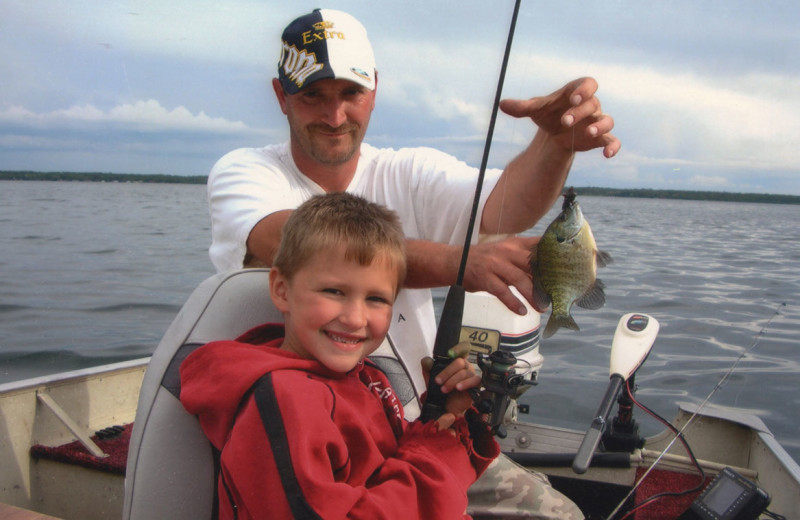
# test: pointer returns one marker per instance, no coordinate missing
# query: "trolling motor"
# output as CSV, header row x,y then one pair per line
x,y
632,342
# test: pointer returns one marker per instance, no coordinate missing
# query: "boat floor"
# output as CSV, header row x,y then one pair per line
x,y
597,499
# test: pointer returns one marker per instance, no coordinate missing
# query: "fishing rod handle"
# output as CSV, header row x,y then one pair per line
x,y
448,335
435,401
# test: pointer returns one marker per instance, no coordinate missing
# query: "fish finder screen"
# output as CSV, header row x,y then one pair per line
x,y
720,499
730,496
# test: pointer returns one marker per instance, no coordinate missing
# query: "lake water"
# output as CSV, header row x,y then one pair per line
x,y
93,273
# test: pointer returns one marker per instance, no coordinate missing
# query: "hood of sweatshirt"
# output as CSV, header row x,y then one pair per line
x,y
216,377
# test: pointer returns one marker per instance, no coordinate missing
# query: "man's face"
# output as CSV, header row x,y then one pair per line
x,y
327,119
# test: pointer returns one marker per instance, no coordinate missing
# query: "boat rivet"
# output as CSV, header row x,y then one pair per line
x,y
523,441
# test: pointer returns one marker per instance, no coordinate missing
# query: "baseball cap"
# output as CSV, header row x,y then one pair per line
x,y
323,44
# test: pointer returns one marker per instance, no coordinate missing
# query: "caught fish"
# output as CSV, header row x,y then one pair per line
x,y
564,266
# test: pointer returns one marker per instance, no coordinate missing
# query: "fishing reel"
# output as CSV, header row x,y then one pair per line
x,y
500,383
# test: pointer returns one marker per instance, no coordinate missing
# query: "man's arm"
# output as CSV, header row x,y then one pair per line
x,y
569,120
527,189
264,239
430,264
491,267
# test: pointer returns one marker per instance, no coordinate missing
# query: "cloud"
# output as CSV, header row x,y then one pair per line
x,y
139,137
744,122
742,118
726,121
719,128
443,86
716,96
146,115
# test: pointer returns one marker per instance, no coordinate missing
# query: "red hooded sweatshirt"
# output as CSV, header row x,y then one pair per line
x,y
298,440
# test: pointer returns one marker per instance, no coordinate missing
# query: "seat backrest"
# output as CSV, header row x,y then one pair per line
x,y
170,472
171,467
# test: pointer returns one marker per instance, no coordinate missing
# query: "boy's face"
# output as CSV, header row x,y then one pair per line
x,y
335,310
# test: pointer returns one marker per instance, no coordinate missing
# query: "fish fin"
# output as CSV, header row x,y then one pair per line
x,y
603,258
557,321
594,297
541,300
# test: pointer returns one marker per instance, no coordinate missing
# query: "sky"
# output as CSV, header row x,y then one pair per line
x,y
705,94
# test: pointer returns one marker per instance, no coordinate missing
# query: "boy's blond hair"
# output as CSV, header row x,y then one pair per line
x,y
327,222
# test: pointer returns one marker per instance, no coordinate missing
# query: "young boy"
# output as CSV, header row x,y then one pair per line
x,y
306,425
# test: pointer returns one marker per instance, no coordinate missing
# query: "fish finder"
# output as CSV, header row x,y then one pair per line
x,y
730,496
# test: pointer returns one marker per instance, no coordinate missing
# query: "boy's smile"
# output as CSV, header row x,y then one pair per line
x,y
336,310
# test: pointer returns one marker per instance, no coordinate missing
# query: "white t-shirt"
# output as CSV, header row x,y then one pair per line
x,y
431,192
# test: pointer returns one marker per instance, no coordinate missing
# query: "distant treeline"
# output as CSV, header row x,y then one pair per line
x,y
101,177
723,196
608,192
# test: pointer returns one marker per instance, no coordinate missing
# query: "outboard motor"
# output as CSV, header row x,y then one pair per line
x,y
489,326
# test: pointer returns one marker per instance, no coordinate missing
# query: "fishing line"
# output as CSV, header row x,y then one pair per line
x,y
524,71
714,390
485,160
506,182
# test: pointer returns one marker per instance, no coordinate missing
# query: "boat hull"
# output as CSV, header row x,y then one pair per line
x,y
103,396
93,399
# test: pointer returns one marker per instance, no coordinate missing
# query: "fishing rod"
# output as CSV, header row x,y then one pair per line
x,y
448,334
679,433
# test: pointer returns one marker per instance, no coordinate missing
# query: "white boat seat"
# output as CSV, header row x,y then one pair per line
x,y
171,465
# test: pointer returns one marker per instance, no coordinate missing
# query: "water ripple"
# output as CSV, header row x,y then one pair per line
x,y
127,307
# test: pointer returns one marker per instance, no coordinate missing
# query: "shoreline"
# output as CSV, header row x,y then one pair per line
x,y
643,193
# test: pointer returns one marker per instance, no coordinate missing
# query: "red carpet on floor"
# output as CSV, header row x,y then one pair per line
x,y
74,453
660,481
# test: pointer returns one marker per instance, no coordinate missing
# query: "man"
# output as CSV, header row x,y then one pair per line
x,y
326,87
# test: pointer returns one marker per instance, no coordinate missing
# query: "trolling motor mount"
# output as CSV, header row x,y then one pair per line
x,y
622,434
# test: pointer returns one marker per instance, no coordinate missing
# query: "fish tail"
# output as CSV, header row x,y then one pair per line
x,y
556,321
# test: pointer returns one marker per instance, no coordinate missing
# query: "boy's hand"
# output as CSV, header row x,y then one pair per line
x,y
445,422
456,379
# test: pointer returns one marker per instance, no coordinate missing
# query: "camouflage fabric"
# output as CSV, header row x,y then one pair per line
x,y
507,490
